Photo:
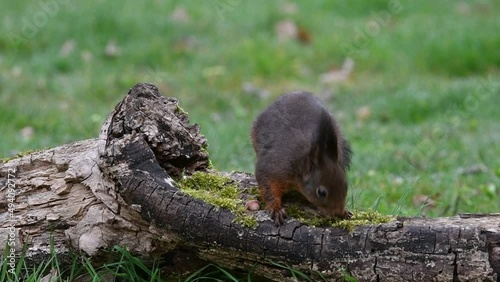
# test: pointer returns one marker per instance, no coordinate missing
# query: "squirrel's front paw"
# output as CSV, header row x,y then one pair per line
x,y
347,214
278,215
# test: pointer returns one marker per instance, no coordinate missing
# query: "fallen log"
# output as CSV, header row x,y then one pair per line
x,y
121,189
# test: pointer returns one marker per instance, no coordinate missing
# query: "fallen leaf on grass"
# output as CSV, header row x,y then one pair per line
x,y
180,15
27,132
303,35
67,48
397,180
336,75
363,113
286,30
112,50
473,169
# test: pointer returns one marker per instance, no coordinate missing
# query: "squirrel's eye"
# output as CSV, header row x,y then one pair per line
x,y
321,192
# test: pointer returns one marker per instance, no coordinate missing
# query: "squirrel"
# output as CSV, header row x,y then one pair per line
x,y
299,144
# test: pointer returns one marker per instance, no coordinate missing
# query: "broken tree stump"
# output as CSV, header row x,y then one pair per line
x,y
120,189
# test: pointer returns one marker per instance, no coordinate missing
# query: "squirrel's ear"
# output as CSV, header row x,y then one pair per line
x,y
327,137
314,155
313,161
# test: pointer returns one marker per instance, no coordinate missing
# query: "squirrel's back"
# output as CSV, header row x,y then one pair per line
x,y
292,125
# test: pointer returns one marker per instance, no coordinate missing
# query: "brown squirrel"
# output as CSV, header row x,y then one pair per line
x,y
299,144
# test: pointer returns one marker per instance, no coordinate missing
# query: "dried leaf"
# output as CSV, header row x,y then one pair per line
x,y
112,50
363,113
180,15
303,35
473,169
336,75
286,30
27,132
67,48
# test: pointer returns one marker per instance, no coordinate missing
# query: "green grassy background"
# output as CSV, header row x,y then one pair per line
x,y
428,75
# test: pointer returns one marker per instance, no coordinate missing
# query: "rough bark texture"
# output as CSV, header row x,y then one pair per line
x,y
118,189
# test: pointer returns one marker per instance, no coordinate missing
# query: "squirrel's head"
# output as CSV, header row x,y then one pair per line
x,y
326,188
324,178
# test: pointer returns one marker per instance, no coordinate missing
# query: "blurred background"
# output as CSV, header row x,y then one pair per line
x,y
414,84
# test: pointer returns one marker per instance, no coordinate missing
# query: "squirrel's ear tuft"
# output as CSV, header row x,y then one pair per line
x,y
312,162
326,138
314,158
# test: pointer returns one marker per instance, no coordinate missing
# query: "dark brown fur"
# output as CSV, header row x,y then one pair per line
x,y
299,144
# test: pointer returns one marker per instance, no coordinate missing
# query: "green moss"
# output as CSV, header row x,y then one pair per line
x,y
20,155
363,218
210,164
180,110
204,149
219,191
358,218
254,190
296,212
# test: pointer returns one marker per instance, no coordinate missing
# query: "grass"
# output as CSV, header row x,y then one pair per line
x,y
126,268
131,268
426,71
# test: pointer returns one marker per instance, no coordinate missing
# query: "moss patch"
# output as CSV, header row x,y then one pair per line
x,y
363,218
219,191
20,155
180,110
358,218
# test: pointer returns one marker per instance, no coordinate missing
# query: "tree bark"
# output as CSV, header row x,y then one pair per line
x,y
119,189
